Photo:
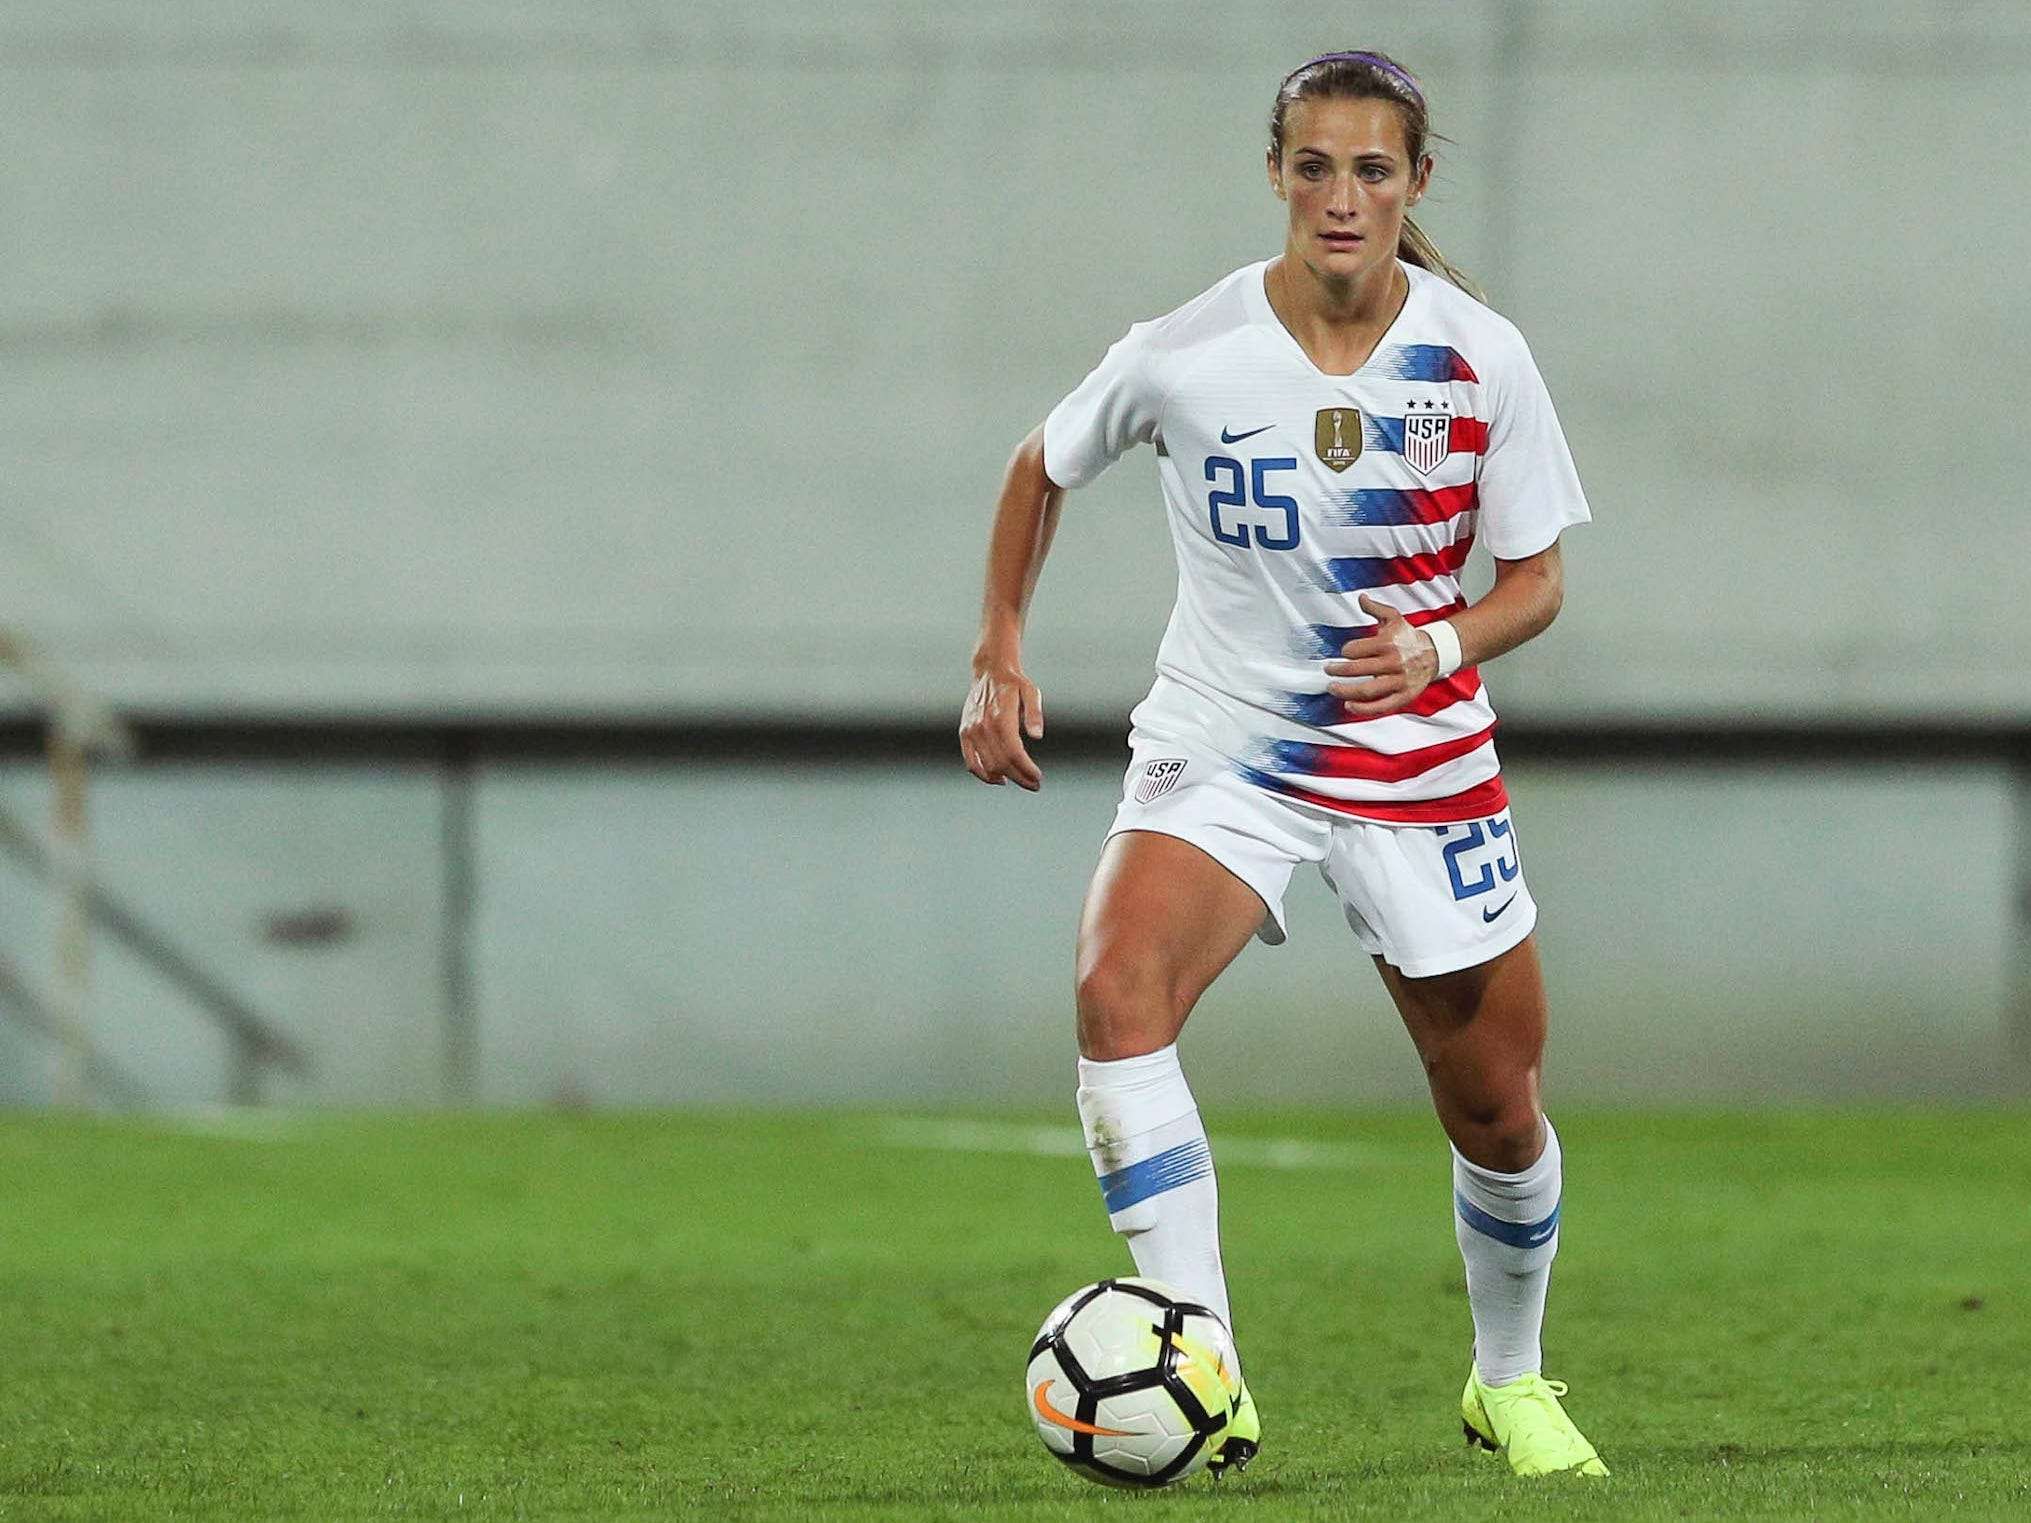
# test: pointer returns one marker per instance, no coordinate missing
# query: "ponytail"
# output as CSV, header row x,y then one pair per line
x,y
1416,247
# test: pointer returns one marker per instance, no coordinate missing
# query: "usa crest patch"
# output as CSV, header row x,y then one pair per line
x,y
1159,778
1427,437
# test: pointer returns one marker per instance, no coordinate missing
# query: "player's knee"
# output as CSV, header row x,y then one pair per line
x,y
1126,1008
1503,1135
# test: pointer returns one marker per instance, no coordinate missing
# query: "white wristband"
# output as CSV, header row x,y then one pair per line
x,y
1446,641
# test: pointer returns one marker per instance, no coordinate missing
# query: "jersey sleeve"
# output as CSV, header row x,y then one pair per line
x,y
1530,490
1110,411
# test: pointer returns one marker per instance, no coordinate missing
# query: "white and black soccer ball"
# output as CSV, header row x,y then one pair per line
x,y
1131,1384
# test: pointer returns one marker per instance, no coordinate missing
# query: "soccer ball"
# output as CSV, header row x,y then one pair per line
x,y
1131,1384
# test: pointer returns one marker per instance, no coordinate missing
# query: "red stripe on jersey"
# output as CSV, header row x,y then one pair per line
x,y
1469,435
1442,694
1433,615
1361,764
1434,505
1426,566
1475,803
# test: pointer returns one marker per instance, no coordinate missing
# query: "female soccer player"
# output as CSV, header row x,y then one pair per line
x,y
1333,428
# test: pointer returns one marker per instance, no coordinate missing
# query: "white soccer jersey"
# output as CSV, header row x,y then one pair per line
x,y
1292,492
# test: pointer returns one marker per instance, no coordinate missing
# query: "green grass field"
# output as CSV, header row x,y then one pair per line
x,y
795,1316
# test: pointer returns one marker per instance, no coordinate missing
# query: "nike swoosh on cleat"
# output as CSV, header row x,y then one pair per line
x,y
1488,915
1227,438
1051,1414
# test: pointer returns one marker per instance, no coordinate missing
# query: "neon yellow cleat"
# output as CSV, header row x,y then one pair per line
x,y
1524,1422
1244,1437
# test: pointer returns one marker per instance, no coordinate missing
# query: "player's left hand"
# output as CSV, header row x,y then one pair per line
x,y
1383,671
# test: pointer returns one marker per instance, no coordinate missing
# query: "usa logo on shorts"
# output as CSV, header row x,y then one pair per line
x,y
1427,438
1159,778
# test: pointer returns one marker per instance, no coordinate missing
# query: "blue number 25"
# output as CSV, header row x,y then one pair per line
x,y
1233,497
1503,861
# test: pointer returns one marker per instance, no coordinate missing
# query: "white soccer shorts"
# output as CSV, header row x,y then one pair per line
x,y
1427,899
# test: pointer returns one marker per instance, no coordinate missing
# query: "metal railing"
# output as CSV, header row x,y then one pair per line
x,y
79,728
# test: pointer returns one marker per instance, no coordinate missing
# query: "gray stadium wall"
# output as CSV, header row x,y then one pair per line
x,y
667,356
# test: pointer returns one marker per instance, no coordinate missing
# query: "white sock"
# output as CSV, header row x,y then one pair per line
x,y
1156,1171
1507,1226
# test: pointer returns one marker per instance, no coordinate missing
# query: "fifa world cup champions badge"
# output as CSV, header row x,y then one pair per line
x,y
1336,437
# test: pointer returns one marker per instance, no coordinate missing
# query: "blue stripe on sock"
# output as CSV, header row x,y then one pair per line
x,y
1154,1175
1515,1234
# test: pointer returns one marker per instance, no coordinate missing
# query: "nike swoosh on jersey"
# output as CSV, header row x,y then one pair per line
x,y
1227,438
1052,1415
1488,915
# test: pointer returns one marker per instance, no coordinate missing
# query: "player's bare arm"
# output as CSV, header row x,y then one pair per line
x,y
1384,672
1004,705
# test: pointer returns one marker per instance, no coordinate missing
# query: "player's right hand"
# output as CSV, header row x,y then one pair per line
x,y
1003,706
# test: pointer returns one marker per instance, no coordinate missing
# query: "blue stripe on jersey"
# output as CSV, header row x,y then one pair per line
x,y
1385,434
1289,755
1357,573
1515,1234
1418,362
1156,1174
1256,777
1324,641
1321,709
1374,506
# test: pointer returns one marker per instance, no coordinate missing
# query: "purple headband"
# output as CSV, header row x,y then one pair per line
x,y
1374,59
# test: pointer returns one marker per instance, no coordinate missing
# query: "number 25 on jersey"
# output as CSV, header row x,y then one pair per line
x,y
1255,480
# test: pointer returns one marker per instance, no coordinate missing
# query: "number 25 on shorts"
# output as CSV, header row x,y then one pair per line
x,y
1232,496
1501,863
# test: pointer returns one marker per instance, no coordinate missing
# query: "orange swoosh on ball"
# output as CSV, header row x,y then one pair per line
x,y
1051,1414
